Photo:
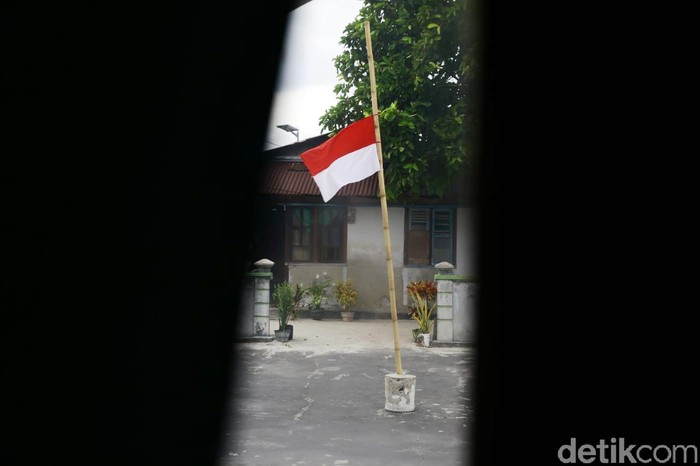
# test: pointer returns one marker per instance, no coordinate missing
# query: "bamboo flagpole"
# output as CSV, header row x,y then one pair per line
x,y
382,199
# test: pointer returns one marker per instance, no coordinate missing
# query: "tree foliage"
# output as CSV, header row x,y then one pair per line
x,y
425,67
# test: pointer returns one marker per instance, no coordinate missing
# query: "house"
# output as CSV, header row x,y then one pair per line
x,y
344,238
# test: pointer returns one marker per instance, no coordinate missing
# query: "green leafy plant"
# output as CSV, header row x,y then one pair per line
x,y
426,64
424,298
345,294
318,290
284,297
299,294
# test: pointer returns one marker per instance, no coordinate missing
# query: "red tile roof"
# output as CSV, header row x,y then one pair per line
x,y
293,178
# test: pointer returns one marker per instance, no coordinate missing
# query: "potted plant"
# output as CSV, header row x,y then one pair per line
x,y
346,296
284,297
423,297
299,293
317,291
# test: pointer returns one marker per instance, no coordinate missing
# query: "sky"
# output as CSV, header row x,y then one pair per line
x,y
307,75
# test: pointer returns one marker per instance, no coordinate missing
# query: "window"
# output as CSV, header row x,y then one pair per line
x,y
429,236
316,233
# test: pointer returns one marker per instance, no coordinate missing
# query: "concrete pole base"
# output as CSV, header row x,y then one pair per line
x,y
400,393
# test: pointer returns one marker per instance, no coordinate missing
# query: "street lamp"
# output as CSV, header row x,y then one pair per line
x,y
290,129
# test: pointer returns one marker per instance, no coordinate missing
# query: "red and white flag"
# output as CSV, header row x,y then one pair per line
x,y
347,157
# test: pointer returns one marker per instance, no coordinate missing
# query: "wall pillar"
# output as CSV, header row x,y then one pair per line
x,y
456,306
255,307
445,302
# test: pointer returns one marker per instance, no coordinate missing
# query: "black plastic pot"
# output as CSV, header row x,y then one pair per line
x,y
282,335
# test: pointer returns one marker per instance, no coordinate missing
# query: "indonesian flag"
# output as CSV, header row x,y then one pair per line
x,y
347,157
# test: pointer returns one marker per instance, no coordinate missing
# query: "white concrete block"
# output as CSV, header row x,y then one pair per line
x,y
400,392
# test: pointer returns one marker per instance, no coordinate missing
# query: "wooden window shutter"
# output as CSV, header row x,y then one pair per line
x,y
417,242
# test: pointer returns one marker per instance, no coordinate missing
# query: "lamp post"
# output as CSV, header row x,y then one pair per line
x,y
290,129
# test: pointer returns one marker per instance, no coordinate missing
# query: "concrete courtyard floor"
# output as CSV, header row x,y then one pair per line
x,y
319,399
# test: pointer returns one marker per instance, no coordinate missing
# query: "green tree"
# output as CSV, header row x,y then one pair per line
x,y
425,67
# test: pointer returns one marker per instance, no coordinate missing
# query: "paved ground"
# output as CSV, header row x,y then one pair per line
x,y
319,400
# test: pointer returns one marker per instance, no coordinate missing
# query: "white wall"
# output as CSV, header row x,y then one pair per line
x,y
466,242
464,316
366,257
